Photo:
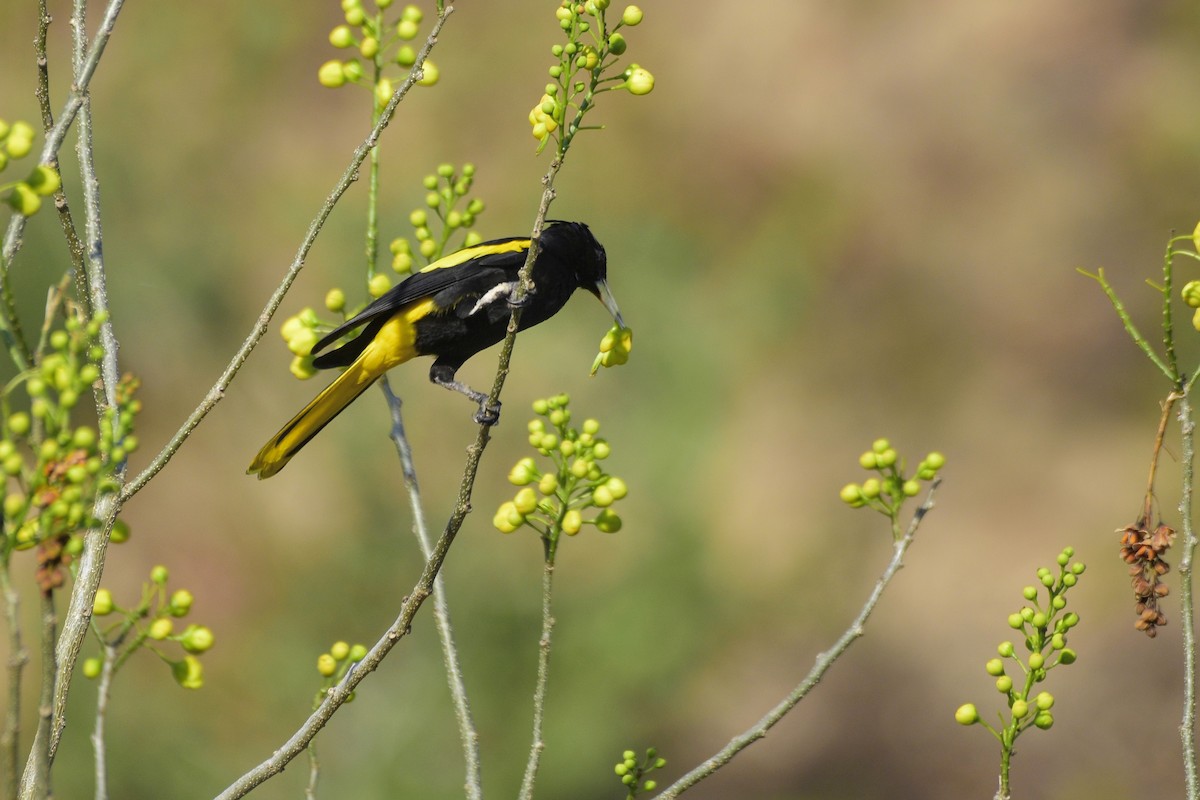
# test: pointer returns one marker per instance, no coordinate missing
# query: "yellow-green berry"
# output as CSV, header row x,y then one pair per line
x,y
91,667
103,604
331,74
160,629
340,650
966,714
326,665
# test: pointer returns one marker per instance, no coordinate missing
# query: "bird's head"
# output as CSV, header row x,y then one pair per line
x,y
586,257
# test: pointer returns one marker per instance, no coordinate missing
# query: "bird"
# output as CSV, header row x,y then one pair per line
x,y
455,307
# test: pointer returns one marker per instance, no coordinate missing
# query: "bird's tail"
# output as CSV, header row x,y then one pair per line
x,y
276,453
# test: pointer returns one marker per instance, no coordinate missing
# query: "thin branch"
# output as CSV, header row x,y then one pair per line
x,y
473,783
217,392
104,692
65,220
336,696
824,662
17,659
56,135
35,783
1127,321
1187,729
543,675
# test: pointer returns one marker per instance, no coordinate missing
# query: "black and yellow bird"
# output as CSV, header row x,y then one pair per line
x,y
451,309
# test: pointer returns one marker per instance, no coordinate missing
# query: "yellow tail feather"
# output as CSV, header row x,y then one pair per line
x,y
391,346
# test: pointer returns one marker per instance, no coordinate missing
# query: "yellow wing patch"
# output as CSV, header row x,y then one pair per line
x,y
468,253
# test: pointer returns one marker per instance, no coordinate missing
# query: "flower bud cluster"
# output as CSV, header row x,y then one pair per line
x,y
444,190
614,348
153,621
631,772
25,197
1044,628
380,42
887,492
334,664
580,68
556,500
434,226
54,467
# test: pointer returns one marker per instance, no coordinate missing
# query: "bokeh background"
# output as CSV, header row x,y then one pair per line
x,y
829,222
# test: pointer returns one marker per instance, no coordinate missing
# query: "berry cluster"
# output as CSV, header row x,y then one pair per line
x,y
631,772
555,501
887,492
444,192
446,188
25,197
54,467
1045,629
150,622
334,664
374,36
578,74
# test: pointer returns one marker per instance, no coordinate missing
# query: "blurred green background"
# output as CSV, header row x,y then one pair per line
x,y
828,223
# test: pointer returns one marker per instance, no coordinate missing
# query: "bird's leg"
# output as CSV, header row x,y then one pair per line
x,y
443,375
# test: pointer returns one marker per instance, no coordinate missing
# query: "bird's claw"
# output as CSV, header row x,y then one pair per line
x,y
487,414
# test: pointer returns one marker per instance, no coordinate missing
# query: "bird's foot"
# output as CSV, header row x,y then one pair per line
x,y
487,414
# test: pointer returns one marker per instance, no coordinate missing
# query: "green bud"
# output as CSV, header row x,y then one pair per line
x,y
1043,720
631,16
407,30
994,667
1016,621
1067,656
340,650
18,424
1004,684
406,56
966,714
1036,661
1029,593
525,501
341,36
92,667
160,629
196,639
616,44
326,665
1005,649
180,603
1020,709
357,653
572,521
159,574
607,521
103,604
331,75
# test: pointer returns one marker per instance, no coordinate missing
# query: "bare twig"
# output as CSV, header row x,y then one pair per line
x,y
1187,728
473,783
543,675
35,783
17,659
824,662
103,693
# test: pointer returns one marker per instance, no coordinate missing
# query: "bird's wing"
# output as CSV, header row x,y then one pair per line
x,y
475,265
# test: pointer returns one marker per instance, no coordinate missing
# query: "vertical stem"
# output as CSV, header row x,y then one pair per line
x,y
17,659
314,772
543,674
1187,729
1003,792
441,607
104,691
35,784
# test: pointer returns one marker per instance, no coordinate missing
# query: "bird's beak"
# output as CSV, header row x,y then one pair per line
x,y
606,296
